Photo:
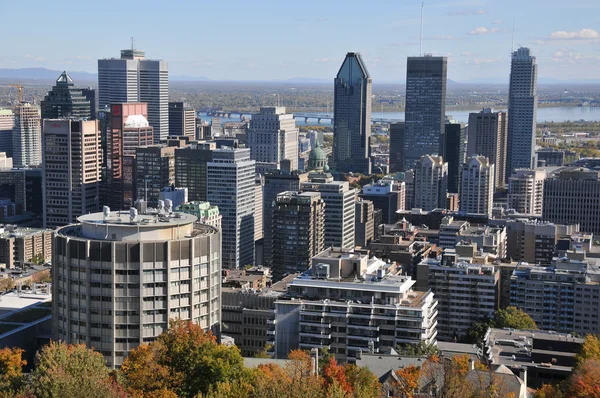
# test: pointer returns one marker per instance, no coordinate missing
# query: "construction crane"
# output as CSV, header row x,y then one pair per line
x,y
20,88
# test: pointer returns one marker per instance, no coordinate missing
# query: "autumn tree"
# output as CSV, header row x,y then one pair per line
x,y
585,380
548,391
589,350
408,381
6,284
335,374
71,371
364,382
11,364
187,361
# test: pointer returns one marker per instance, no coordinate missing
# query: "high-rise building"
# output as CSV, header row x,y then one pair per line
x,y
72,170
90,94
408,178
572,196
397,131
431,183
385,197
154,170
364,223
191,167
27,136
7,122
352,116
259,184
182,119
487,137
298,220
230,187
522,112
346,289
455,145
128,129
477,186
526,191
425,108
276,182
133,78
65,101
273,137
466,290
143,294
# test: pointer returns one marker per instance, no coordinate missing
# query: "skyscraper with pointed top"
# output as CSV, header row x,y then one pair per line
x,y
522,112
65,101
352,116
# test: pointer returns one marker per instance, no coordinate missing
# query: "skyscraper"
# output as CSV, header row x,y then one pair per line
x,y
132,78
455,145
128,130
230,187
425,107
182,119
526,191
352,116
191,168
273,137
27,136
65,100
154,170
72,170
298,220
397,131
522,111
431,183
477,186
487,137
7,122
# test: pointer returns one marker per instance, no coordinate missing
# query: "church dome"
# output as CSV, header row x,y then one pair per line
x,y
317,160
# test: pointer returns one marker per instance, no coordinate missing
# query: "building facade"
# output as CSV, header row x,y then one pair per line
x,y
425,108
522,111
133,78
230,187
24,245
477,186
182,120
7,122
364,224
72,176
352,116
397,131
27,136
154,170
66,101
487,136
526,191
191,165
431,183
455,146
119,277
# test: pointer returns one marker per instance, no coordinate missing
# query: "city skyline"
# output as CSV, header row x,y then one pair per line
x,y
475,35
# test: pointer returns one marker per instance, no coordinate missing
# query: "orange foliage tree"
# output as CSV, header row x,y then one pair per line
x,y
11,364
585,380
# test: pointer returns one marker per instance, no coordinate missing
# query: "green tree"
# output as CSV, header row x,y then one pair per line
x,y
421,349
589,350
71,371
513,317
477,331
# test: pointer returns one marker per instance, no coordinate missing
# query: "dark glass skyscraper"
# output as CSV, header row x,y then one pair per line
x,y
65,100
352,116
522,110
425,107
396,146
455,144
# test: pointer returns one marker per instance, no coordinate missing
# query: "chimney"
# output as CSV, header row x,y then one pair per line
x,y
523,375
314,361
471,364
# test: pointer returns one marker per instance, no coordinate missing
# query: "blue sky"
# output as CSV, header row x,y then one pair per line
x,y
268,40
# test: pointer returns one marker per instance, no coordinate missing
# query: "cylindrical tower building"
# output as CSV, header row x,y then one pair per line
x,y
118,277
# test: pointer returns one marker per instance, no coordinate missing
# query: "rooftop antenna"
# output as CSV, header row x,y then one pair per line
x,y
421,35
512,47
132,48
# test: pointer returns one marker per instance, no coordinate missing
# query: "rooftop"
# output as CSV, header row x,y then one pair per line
x,y
123,218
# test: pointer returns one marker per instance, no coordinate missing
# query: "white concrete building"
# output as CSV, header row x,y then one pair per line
x,y
231,187
349,303
487,137
272,137
27,136
477,186
431,183
118,277
133,78
526,191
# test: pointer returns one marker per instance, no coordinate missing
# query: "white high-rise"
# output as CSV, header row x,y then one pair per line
x,y
27,136
477,186
273,137
231,187
431,183
522,110
526,191
132,78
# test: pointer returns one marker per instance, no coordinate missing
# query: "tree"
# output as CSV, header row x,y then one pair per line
x,y
11,364
513,317
65,370
477,331
548,391
421,349
333,373
6,284
589,350
41,277
408,381
364,382
187,361
585,380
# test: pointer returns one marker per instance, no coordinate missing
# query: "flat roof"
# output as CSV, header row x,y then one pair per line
x,y
17,300
122,218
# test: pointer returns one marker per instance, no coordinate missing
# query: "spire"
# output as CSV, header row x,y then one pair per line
x,y
64,78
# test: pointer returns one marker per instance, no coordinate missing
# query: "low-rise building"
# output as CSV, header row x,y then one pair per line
x,y
24,245
205,213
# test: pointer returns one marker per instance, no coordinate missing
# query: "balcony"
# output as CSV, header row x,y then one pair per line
x,y
309,346
326,335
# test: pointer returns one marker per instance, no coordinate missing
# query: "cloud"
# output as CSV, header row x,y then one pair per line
x,y
540,42
568,56
479,31
583,34
435,37
498,22
321,19
495,30
465,13
482,61
466,54
35,57
323,60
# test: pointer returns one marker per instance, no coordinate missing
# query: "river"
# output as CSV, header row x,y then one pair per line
x,y
553,114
